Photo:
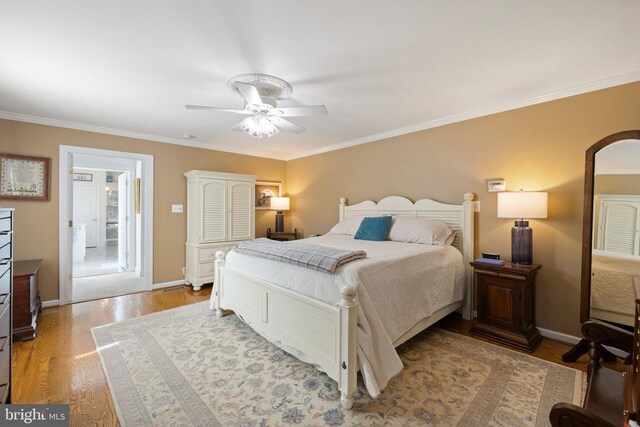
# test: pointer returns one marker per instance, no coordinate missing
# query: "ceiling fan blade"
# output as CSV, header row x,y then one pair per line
x,y
287,125
236,128
311,110
249,93
226,110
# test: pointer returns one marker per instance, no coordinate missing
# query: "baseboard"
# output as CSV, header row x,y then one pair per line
x,y
51,303
167,284
558,336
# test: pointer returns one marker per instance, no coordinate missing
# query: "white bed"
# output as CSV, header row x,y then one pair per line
x,y
402,288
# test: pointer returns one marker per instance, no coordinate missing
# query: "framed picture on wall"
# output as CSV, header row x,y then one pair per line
x,y
24,177
265,190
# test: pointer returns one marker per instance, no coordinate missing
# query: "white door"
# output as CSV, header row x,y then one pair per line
x,y
123,220
86,209
213,210
241,207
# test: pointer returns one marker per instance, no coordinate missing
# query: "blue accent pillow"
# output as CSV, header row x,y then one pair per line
x,y
374,228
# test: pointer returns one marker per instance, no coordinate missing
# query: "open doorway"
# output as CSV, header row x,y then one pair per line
x,y
108,205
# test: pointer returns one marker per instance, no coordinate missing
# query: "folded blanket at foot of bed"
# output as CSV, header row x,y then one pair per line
x,y
315,257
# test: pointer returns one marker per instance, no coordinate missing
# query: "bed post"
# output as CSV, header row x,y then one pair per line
x,y
343,204
468,255
348,345
216,294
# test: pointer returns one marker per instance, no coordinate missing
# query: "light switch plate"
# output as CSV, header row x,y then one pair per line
x,y
476,206
176,208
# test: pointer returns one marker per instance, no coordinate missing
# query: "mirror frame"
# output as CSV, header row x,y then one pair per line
x,y
587,225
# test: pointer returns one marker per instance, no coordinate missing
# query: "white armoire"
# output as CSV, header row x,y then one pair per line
x,y
220,213
618,223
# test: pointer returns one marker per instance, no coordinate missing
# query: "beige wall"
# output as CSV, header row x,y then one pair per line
x,y
541,147
617,184
535,148
36,223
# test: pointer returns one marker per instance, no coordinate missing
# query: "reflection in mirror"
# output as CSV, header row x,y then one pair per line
x,y
616,232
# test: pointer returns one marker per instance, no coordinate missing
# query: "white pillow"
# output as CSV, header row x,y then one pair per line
x,y
348,226
421,230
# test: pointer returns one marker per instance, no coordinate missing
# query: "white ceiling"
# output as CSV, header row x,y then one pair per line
x,y
382,68
622,157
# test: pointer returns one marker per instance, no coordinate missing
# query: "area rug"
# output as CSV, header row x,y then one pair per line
x,y
186,367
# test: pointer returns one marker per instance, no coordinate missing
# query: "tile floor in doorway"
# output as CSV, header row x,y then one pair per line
x,y
98,261
100,276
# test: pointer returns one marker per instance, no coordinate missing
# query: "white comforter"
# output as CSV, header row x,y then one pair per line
x,y
611,281
398,284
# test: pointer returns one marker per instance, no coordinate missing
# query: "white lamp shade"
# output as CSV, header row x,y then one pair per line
x,y
280,203
522,204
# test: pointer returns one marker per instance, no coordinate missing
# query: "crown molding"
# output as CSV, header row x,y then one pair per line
x,y
551,96
539,99
129,134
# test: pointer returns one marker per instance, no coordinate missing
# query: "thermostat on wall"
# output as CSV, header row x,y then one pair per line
x,y
496,185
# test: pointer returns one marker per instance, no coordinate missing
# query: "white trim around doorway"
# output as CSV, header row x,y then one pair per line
x,y
146,195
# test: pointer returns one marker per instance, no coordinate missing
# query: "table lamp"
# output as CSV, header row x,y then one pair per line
x,y
521,205
280,204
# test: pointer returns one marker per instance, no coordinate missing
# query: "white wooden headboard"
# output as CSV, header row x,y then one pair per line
x,y
460,217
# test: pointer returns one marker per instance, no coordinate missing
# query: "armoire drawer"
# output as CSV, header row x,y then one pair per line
x,y
206,269
209,255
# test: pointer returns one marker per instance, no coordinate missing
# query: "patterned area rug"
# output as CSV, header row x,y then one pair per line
x,y
185,367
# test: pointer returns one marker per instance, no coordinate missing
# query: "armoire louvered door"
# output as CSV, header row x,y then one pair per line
x,y
620,225
214,210
240,200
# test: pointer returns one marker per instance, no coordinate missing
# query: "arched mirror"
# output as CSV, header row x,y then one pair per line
x,y
610,234
611,229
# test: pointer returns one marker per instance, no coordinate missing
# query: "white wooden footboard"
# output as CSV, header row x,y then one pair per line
x,y
323,332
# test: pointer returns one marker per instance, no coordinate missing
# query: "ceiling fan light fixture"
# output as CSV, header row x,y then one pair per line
x,y
258,126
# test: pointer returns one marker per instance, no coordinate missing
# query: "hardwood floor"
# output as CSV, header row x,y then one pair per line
x,y
62,366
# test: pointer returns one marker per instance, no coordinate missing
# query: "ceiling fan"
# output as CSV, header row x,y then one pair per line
x,y
260,92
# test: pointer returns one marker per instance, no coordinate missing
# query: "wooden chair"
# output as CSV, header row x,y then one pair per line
x,y
612,397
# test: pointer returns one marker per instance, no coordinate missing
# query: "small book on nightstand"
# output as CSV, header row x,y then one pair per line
x,y
489,261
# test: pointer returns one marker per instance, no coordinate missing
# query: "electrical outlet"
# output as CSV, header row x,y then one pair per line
x,y
184,271
476,206
176,208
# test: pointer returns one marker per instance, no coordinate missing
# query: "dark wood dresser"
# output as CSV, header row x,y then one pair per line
x,y
6,287
26,299
506,304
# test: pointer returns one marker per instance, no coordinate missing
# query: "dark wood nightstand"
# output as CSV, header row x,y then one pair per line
x,y
26,300
506,304
283,237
